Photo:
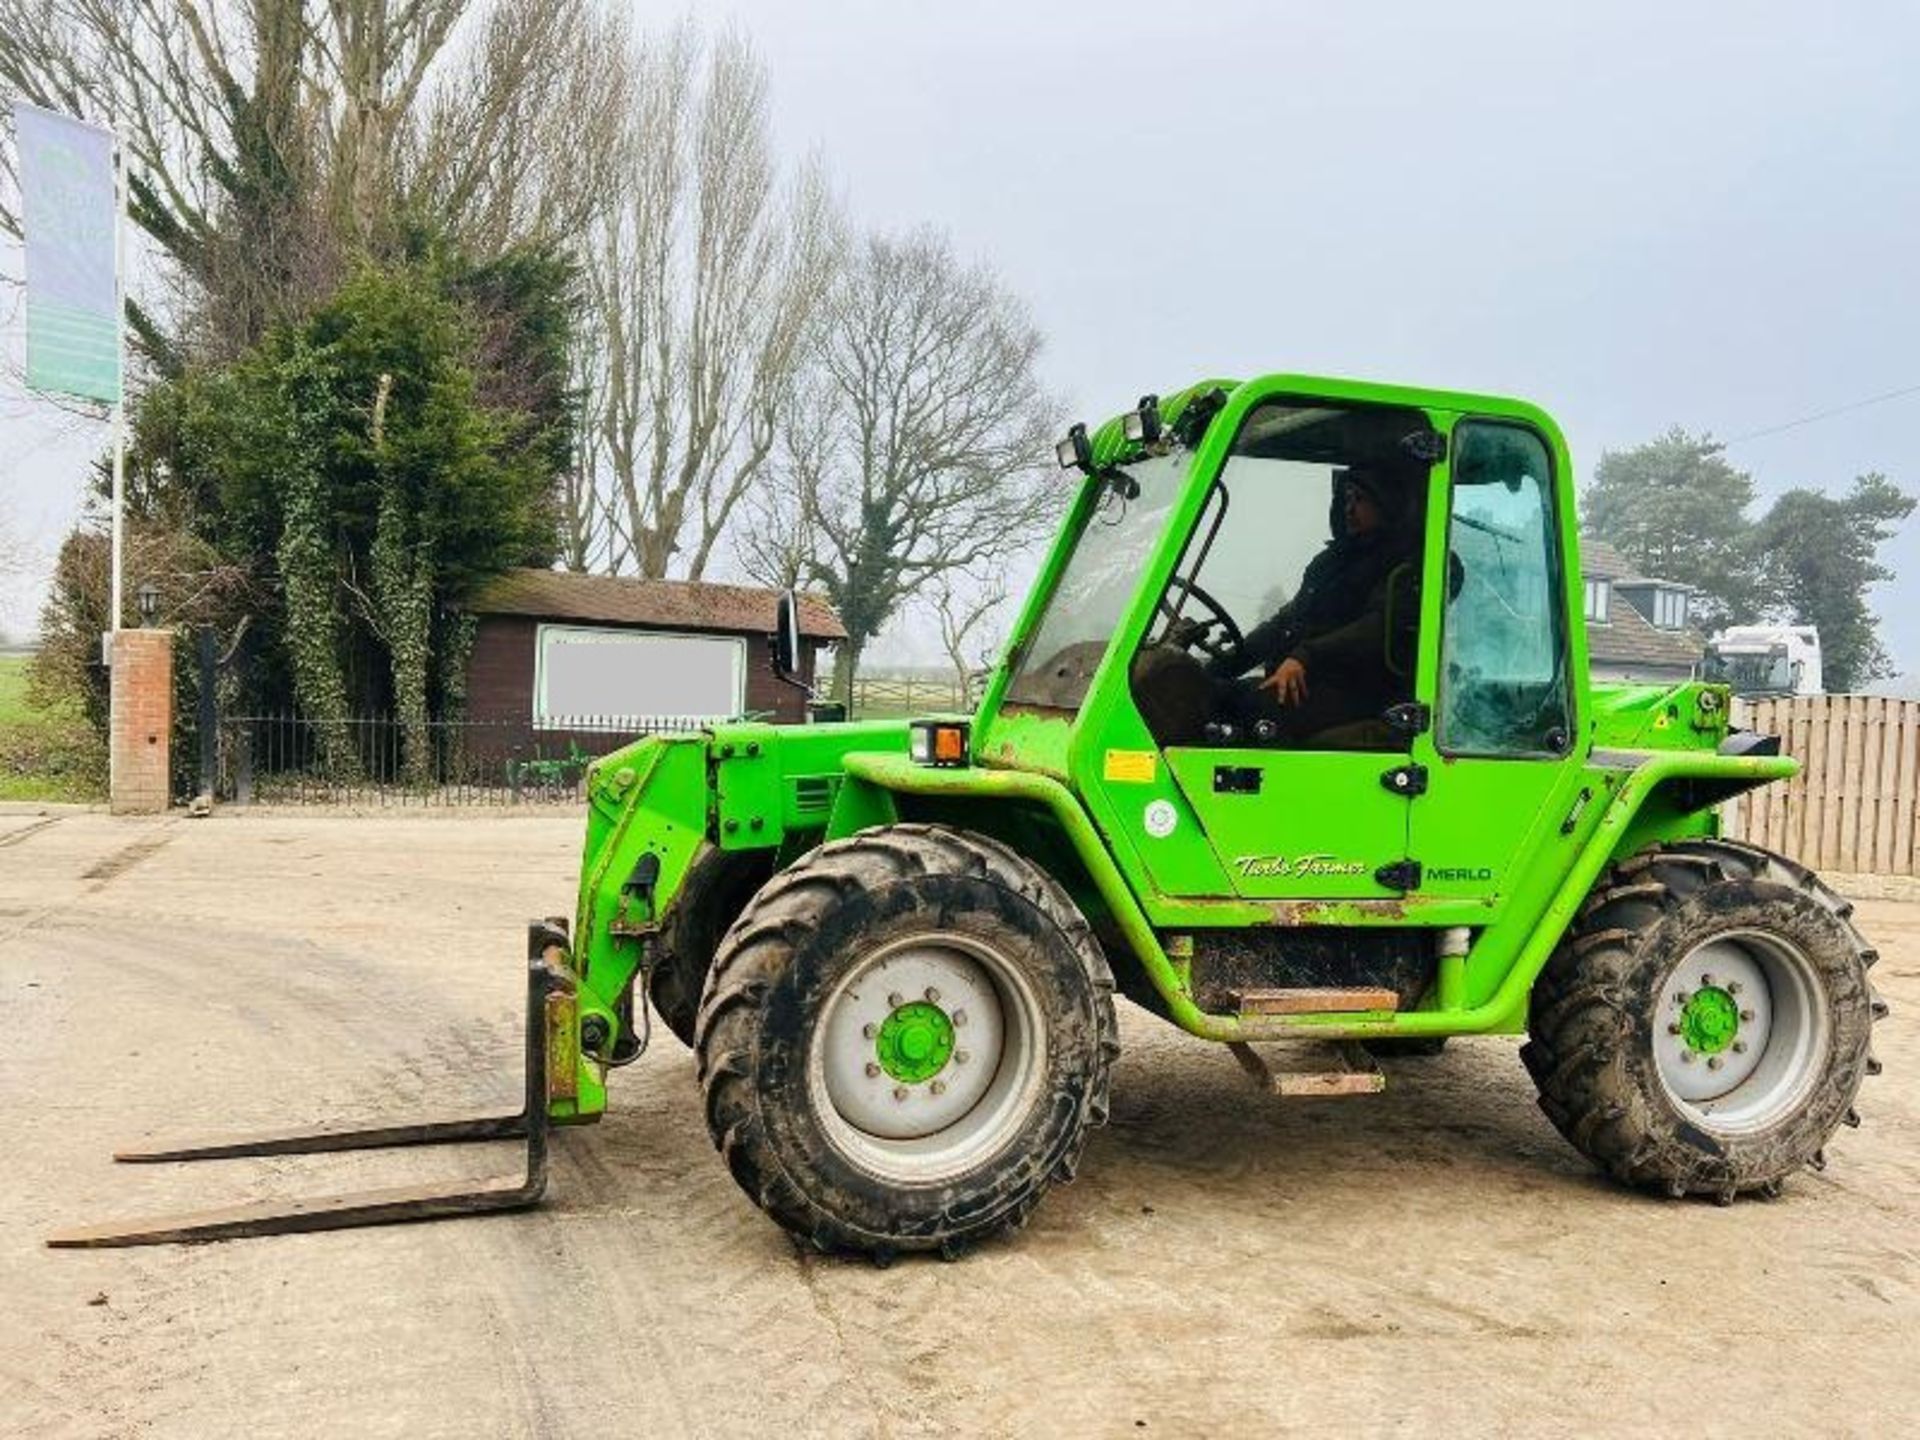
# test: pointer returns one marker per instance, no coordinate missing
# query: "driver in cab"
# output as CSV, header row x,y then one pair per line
x,y
1322,655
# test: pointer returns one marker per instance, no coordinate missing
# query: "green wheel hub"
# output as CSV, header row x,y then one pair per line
x,y
915,1042
1710,1020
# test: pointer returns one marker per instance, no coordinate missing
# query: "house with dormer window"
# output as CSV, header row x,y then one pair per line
x,y
1638,627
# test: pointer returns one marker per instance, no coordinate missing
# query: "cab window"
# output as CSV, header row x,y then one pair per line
x,y
1503,656
1290,620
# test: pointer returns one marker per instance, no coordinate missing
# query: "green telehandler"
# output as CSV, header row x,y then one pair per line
x,y
1294,740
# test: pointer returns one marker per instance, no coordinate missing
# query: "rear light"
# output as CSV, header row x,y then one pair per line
x,y
941,743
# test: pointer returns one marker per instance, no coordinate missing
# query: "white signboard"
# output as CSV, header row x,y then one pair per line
x,y
69,211
581,672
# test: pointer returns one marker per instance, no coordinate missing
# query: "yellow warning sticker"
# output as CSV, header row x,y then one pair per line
x,y
1135,766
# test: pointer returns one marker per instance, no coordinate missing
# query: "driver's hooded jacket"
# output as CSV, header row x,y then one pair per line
x,y
1336,625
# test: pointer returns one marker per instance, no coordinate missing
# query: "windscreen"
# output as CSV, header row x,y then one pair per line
x,y
1101,575
1753,672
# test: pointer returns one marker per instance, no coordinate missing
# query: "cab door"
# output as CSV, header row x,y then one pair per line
x,y
1305,805
1296,825
1500,673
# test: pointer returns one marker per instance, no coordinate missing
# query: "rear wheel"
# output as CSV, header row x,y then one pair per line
x,y
904,1041
1704,1026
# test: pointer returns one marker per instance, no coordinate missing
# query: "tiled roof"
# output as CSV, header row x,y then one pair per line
x,y
1628,637
1600,561
664,604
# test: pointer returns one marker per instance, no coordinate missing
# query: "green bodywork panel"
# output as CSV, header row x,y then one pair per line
x,y
1269,848
1155,845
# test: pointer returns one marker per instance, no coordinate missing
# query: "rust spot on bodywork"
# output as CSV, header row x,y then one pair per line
x,y
1331,912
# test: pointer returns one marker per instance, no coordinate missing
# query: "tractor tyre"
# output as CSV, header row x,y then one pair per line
x,y
905,1039
717,888
1705,1024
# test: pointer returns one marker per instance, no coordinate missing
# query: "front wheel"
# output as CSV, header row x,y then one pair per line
x,y
1705,1024
904,1041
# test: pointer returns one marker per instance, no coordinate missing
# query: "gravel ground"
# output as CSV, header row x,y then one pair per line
x,y
1431,1258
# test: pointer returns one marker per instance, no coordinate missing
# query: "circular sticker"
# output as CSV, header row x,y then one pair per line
x,y
1160,819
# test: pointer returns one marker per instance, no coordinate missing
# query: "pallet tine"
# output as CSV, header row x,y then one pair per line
x,y
369,1207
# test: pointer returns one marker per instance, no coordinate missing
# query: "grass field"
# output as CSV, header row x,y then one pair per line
x,y
44,754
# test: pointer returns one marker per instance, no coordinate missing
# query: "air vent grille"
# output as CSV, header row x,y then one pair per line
x,y
812,792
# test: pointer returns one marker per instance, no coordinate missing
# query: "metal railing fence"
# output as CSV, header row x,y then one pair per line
x,y
291,759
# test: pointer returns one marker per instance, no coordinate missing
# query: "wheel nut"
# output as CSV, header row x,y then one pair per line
x,y
1714,1063
1733,987
1739,1047
1680,997
899,1092
869,1031
896,1000
959,1057
873,1070
939,1087
1673,1029
1706,979
959,1017
1746,1014
933,996
1686,1057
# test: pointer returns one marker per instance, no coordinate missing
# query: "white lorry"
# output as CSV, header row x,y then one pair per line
x,y
1760,661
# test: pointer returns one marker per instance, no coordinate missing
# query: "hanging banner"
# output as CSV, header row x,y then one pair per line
x,y
69,213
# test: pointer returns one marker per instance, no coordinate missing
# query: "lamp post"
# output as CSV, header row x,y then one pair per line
x,y
147,597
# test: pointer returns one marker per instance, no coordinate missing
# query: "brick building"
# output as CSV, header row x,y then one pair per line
x,y
554,648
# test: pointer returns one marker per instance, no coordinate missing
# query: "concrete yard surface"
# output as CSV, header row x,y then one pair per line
x,y
1429,1261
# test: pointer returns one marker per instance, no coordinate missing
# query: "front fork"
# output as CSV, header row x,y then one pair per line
x,y
563,1084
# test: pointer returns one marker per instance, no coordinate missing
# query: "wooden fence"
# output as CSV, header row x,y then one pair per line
x,y
1852,806
883,696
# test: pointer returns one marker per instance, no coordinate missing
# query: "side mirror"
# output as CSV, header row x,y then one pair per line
x,y
786,637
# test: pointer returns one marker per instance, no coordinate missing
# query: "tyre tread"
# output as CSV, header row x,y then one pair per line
x,y
1581,1021
759,946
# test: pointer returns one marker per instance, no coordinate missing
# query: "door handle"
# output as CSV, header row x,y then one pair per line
x,y
1237,779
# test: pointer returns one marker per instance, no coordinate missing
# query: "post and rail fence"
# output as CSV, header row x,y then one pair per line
x,y
1852,808
877,697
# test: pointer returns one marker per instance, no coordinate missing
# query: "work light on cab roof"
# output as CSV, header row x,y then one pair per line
x,y
1076,451
1141,425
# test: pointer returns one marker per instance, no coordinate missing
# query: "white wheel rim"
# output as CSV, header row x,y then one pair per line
x,y
922,1130
1745,1080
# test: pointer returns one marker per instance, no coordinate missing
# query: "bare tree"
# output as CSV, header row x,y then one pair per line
x,y
524,137
969,611
703,285
915,448
778,540
270,141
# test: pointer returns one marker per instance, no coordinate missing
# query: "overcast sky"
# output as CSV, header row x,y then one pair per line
x,y
1637,215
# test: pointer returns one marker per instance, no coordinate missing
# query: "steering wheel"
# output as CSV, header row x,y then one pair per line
x,y
1197,633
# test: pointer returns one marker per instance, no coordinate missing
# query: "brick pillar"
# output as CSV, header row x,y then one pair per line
x,y
142,722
